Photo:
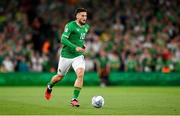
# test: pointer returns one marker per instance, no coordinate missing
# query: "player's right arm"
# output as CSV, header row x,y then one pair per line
x,y
65,37
65,40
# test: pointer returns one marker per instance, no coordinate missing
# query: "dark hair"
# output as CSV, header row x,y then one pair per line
x,y
78,10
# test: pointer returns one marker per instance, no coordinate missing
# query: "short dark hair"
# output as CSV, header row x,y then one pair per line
x,y
78,10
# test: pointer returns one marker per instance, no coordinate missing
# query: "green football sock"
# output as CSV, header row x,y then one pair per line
x,y
51,84
76,92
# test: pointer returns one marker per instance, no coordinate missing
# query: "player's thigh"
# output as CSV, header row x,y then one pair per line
x,y
64,65
78,62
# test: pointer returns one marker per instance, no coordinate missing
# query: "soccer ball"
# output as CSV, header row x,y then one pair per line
x,y
97,101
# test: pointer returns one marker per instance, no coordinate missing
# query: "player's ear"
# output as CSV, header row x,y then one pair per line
x,y
77,15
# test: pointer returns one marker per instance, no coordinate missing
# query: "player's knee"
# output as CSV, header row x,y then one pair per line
x,y
80,72
59,77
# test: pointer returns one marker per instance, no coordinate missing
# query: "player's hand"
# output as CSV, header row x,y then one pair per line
x,y
79,49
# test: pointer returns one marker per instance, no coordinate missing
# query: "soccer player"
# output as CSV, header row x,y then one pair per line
x,y
73,40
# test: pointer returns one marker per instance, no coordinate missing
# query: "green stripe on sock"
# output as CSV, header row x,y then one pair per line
x,y
51,84
76,92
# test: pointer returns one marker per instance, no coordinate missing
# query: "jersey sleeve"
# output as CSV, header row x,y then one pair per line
x,y
88,28
67,31
65,37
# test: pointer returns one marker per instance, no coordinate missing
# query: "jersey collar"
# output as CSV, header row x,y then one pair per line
x,y
78,24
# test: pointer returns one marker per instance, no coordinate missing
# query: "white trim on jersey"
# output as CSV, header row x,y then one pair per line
x,y
65,36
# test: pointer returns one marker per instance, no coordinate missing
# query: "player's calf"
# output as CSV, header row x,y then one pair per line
x,y
50,85
79,79
56,79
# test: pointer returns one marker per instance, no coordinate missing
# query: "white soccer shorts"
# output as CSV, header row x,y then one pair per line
x,y
65,63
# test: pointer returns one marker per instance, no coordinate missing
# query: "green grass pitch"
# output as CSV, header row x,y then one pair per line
x,y
118,101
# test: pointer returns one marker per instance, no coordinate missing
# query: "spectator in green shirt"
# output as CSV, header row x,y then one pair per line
x,y
103,68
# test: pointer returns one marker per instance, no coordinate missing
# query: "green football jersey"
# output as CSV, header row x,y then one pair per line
x,y
72,37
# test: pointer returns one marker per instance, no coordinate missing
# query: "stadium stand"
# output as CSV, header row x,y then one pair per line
x,y
138,35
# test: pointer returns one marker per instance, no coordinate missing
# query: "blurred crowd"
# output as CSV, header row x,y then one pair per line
x,y
137,35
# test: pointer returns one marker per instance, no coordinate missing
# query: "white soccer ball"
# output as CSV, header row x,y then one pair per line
x,y
97,101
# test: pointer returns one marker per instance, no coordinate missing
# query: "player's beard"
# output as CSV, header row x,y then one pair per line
x,y
82,22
